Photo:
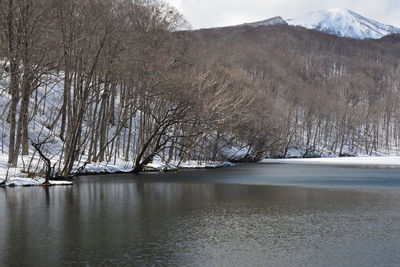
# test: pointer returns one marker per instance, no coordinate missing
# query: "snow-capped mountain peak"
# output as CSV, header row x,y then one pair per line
x,y
345,23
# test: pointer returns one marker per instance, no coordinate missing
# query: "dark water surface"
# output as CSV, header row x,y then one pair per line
x,y
247,215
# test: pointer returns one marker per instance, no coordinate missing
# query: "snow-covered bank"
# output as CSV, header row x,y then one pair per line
x,y
393,161
156,165
159,165
16,177
34,182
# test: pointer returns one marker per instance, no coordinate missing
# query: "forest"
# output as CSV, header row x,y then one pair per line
x,y
314,92
86,81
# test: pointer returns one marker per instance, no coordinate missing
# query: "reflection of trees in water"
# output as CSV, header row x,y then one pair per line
x,y
47,194
159,219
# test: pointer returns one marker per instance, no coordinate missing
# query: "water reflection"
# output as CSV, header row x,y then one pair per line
x,y
158,220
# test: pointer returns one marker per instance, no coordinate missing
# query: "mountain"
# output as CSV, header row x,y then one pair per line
x,y
311,76
268,22
344,23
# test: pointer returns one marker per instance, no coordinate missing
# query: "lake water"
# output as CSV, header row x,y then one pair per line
x,y
247,215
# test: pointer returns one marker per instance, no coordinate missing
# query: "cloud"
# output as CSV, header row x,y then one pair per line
x,y
215,13
393,12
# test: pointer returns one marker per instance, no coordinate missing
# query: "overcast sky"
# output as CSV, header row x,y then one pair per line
x,y
215,13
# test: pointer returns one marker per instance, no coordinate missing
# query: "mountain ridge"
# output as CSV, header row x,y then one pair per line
x,y
336,21
268,22
344,23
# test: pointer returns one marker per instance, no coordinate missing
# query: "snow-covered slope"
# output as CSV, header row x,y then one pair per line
x,y
344,23
51,97
268,22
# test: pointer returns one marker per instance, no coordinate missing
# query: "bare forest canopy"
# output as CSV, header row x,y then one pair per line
x,y
131,85
313,91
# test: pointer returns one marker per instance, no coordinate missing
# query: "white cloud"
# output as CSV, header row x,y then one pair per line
x,y
214,13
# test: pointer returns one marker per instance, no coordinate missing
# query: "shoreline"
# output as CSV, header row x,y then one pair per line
x,y
19,180
378,161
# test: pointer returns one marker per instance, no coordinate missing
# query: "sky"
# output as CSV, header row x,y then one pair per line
x,y
216,13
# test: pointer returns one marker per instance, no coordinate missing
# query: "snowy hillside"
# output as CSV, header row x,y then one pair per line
x,y
31,167
344,23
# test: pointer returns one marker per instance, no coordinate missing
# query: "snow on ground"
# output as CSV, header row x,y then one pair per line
x,y
159,165
393,161
234,152
33,182
17,177
47,111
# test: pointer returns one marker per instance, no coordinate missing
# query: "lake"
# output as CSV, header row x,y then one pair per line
x,y
247,215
